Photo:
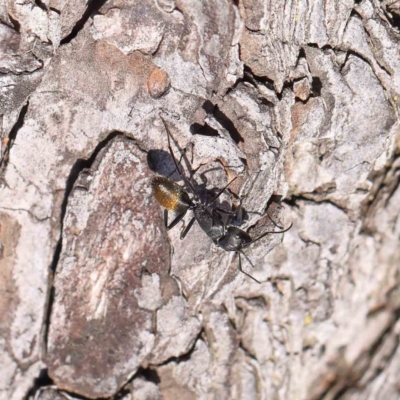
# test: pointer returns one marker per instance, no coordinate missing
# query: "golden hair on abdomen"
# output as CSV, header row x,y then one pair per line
x,y
169,194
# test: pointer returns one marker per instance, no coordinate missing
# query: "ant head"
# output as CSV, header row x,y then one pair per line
x,y
240,235
235,239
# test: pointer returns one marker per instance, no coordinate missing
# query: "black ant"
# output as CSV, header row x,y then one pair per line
x,y
173,197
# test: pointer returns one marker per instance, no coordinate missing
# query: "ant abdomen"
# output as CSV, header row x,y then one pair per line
x,y
170,195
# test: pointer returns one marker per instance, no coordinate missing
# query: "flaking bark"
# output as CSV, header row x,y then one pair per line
x,y
299,100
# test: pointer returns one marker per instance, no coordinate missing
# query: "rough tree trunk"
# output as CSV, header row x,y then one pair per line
x,y
297,99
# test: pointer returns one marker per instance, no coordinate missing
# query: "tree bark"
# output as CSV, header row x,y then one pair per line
x,y
297,100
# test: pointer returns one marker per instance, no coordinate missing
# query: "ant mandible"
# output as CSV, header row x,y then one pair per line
x,y
173,197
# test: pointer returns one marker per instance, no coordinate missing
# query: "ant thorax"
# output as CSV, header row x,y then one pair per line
x,y
210,222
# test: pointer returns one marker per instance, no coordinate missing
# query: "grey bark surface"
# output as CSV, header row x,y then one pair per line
x,y
298,100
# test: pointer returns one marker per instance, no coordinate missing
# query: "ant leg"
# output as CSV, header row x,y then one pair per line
x,y
185,231
240,267
179,163
188,183
269,232
221,191
166,218
192,173
175,221
238,216
235,217
221,210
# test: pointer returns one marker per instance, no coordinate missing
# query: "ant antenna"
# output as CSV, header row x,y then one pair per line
x,y
269,232
270,218
240,266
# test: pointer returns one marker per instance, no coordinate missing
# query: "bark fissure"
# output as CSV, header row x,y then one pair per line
x,y
11,139
93,7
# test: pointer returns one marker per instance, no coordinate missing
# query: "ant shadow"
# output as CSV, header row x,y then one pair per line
x,y
160,162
